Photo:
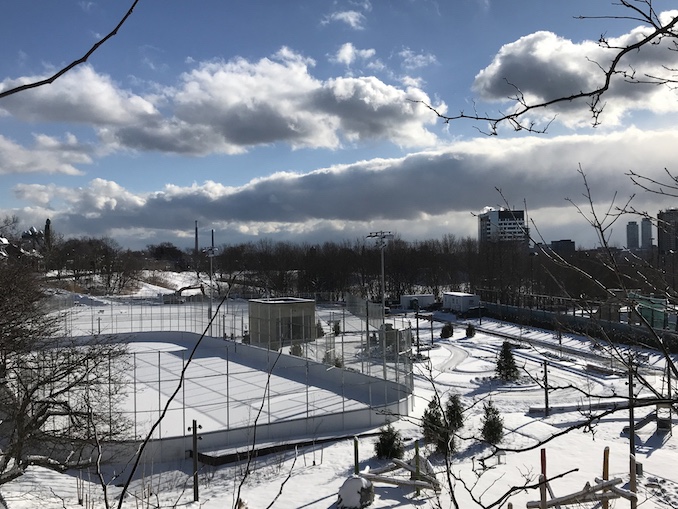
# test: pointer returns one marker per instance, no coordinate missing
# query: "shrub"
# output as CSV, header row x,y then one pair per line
x,y
336,328
470,330
319,332
389,443
295,349
446,331
493,425
331,358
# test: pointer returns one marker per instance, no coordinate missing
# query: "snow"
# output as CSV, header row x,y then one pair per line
x,y
311,477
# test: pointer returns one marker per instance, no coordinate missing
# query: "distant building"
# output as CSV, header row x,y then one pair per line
x,y
281,322
460,302
563,247
646,233
496,225
667,230
416,302
632,237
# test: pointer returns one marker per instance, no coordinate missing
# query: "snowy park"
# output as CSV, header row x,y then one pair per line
x,y
220,393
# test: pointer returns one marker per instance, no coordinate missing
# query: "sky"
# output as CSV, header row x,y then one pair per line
x,y
305,121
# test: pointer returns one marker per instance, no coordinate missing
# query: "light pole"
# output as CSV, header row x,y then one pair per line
x,y
382,237
210,252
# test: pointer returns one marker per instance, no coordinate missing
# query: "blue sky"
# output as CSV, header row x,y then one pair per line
x,y
296,120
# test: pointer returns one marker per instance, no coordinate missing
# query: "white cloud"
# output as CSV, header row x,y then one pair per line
x,y
80,96
46,155
412,60
543,66
229,107
347,54
422,195
354,19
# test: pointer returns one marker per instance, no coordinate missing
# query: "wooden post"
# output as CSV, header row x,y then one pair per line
x,y
606,472
546,389
356,467
542,491
543,463
416,463
632,479
632,420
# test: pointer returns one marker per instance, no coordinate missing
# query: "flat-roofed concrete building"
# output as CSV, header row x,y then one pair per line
x,y
281,321
498,225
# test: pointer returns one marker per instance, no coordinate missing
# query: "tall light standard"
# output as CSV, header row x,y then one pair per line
x,y
382,237
210,252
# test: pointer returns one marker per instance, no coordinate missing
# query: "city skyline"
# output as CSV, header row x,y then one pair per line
x,y
308,122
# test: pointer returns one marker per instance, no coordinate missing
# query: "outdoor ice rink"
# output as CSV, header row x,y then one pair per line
x,y
221,389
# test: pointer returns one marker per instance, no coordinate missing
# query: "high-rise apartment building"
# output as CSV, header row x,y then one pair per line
x,y
632,238
667,230
646,233
565,247
502,225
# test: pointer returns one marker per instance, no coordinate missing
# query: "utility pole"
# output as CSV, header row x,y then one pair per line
x,y
210,252
195,429
546,389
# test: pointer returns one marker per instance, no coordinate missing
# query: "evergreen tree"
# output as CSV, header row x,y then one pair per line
x,y
454,413
493,424
389,444
434,429
506,369
470,330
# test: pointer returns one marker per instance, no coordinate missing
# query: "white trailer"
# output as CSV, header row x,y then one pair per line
x,y
423,301
460,302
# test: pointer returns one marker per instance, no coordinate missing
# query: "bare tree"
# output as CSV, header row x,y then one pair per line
x,y
58,395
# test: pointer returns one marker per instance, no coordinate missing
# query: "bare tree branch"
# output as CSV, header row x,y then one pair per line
x,y
75,63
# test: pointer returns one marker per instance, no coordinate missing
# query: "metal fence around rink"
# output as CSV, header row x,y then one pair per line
x,y
83,316
384,353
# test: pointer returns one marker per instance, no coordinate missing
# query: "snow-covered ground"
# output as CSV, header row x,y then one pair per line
x,y
310,477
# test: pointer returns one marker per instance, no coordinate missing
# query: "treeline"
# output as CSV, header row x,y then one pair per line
x,y
502,272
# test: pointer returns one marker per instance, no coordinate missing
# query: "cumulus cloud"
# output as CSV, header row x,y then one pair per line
x,y
543,66
47,155
347,54
422,195
81,96
230,107
354,19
